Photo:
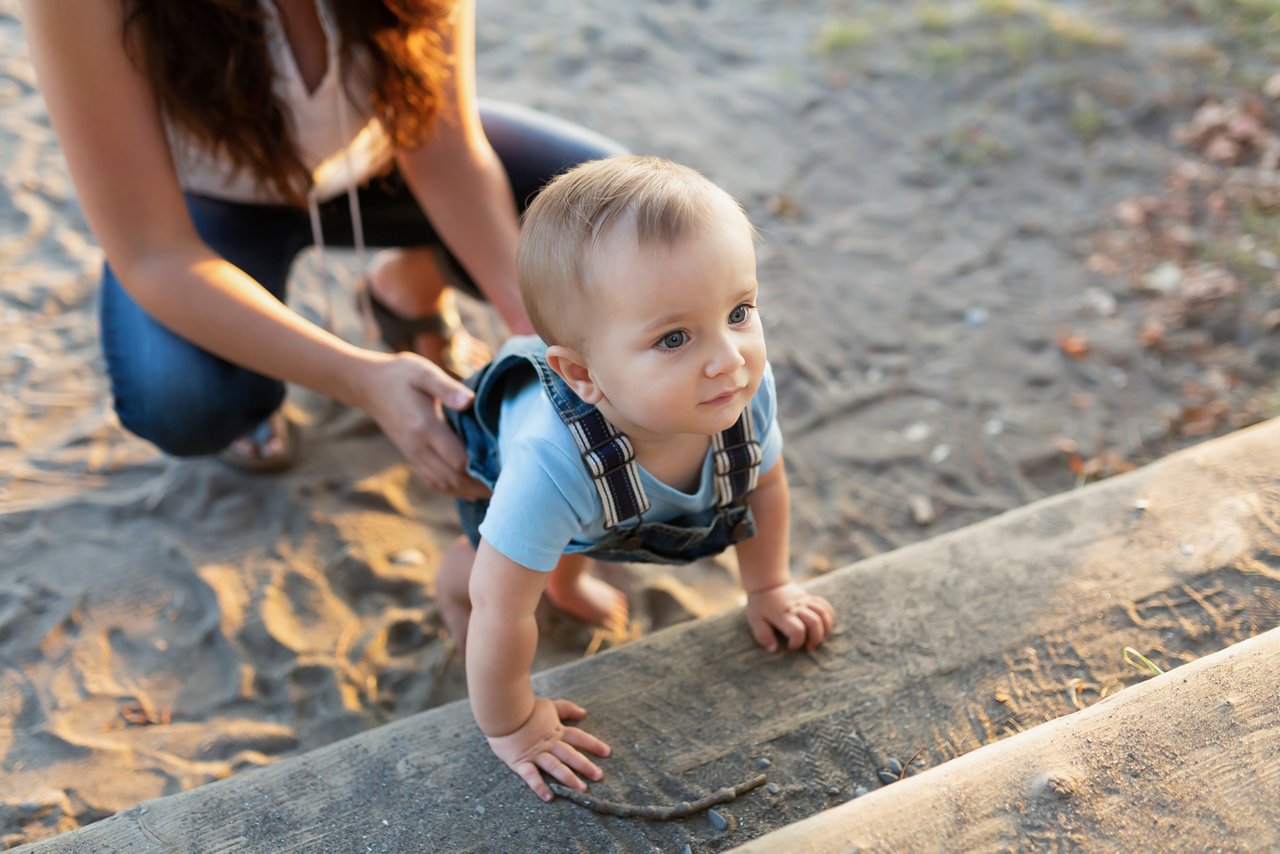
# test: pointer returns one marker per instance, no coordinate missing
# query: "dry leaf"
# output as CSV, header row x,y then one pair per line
x,y
1073,346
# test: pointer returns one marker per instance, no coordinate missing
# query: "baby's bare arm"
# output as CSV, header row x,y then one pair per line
x,y
774,601
526,732
762,560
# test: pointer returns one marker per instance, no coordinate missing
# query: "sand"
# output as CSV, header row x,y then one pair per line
x,y
1002,254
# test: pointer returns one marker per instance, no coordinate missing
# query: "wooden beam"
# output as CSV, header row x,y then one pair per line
x,y
942,647
1189,760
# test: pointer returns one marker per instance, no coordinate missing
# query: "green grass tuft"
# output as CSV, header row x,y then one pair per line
x,y
841,36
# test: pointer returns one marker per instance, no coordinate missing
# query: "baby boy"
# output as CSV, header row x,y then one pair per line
x,y
640,425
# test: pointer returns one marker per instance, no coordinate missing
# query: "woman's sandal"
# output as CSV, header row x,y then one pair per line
x,y
460,354
270,447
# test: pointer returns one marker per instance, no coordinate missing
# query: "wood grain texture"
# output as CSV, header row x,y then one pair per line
x,y
1178,560
1190,759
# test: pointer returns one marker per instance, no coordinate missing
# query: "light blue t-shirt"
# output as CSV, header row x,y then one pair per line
x,y
544,499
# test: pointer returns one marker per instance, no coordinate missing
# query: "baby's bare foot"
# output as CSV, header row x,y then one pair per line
x,y
590,599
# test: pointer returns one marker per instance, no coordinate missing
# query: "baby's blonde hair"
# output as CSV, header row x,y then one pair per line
x,y
665,200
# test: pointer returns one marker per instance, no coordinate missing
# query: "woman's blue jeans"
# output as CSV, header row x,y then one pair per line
x,y
188,401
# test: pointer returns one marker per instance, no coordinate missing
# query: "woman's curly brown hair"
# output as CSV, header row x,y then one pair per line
x,y
208,62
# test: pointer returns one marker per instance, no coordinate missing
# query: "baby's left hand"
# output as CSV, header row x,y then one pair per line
x,y
803,619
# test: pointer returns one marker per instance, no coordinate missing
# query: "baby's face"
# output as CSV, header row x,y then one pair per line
x,y
674,340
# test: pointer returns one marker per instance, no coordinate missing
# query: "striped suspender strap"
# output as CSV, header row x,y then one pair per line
x,y
611,460
737,460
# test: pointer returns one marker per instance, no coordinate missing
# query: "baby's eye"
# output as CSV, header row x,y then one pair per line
x,y
672,341
741,314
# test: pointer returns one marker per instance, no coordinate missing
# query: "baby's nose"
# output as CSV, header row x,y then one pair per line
x,y
727,357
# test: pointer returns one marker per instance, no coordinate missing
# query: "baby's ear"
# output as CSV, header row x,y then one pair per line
x,y
572,368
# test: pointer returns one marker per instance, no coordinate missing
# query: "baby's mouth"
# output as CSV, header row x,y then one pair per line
x,y
720,399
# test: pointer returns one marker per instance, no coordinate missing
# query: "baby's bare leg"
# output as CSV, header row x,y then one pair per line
x,y
573,589
451,589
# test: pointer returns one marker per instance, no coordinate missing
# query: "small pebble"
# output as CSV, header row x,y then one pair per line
x,y
408,557
860,791
1100,302
772,788
717,820
976,316
895,766
917,431
1165,279
921,509
1186,548
887,776
1141,504
940,453
686,849
763,763
833,790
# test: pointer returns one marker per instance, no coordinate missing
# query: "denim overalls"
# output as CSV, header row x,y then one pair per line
x,y
610,460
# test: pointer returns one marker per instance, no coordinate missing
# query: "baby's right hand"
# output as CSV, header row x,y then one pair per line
x,y
544,742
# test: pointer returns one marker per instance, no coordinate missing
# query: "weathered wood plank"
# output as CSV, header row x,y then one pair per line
x,y
1190,759
942,647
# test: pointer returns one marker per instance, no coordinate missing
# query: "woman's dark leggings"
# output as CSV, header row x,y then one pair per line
x,y
188,401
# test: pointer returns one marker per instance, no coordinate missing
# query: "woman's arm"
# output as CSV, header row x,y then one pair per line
x,y
462,185
109,125
526,732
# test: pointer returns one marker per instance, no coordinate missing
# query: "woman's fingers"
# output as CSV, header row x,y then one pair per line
x,y
438,475
440,436
412,416
434,381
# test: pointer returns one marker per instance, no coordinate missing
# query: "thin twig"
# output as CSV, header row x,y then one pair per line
x,y
907,764
655,812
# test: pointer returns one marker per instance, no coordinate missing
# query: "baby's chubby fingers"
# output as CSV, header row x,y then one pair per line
x,y
569,710
577,762
794,629
815,628
528,772
828,612
583,740
554,766
762,631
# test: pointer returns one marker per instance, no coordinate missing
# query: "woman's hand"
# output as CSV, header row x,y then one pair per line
x,y
803,619
544,742
404,392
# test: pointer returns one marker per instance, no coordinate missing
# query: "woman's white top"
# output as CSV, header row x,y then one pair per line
x,y
339,142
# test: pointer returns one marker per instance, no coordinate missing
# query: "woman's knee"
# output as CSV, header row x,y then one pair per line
x,y
170,392
192,418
